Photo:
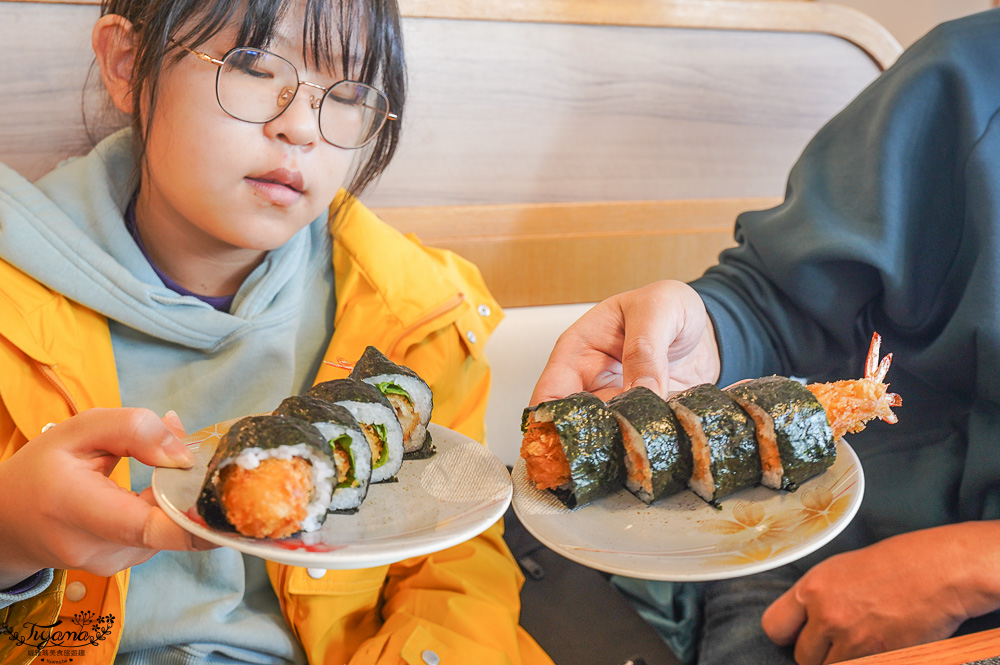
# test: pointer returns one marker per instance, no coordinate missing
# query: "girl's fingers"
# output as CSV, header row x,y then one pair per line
x,y
163,533
111,513
137,433
174,424
129,520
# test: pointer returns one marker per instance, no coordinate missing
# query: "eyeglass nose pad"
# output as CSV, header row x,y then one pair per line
x,y
285,97
315,101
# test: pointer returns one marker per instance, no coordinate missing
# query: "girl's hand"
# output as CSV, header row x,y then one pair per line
x,y
910,589
61,510
658,336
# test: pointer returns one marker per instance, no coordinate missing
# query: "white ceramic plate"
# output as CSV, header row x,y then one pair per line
x,y
437,502
682,538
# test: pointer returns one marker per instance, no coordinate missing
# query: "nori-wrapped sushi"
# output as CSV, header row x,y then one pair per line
x,y
270,477
351,452
410,395
572,446
657,449
723,442
794,435
376,417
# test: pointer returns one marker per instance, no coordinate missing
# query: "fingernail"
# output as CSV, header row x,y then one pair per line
x,y
172,420
646,382
178,452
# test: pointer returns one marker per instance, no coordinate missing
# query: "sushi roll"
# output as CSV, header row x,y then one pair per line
x,y
271,476
657,449
794,436
572,446
376,417
351,452
409,395
723,442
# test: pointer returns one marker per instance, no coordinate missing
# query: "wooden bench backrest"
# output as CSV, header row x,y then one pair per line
x,y
542,138
578,148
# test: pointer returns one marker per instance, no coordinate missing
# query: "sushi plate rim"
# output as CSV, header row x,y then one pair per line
x,y
755,530
422,484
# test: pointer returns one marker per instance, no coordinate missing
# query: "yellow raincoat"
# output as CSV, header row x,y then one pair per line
x,y
425,308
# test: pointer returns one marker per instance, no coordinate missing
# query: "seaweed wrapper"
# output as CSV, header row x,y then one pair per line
x,y
730,436
349,390
375,363
375,368
802,432
668,447
315,410
334,421
588,432
370,408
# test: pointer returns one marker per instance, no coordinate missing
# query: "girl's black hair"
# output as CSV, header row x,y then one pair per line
x,y
363,34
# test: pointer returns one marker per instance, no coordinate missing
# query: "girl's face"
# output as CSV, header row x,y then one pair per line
x,y
220,188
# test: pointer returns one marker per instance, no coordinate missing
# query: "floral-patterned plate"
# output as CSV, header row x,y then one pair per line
x,y
682,538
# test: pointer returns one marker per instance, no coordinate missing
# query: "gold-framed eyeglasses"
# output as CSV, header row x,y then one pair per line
x,y
257,86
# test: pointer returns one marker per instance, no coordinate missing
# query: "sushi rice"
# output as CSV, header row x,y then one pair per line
x,y
376,417
383,420
350,449
350,492
409,395
416,392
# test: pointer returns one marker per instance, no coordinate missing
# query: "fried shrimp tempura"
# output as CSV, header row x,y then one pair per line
x,y
269,501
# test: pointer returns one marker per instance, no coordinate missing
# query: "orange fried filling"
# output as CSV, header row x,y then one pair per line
x,y
639,472
767,445
544,458
852,403
269,501
342,461
407,416
701,472
374,442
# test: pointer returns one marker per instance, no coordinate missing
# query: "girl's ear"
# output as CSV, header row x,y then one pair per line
x,y
113,44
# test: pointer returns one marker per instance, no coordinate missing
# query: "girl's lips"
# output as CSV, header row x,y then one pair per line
x,y
280,186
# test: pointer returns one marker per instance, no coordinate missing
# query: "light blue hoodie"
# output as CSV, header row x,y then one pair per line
x,y
176,352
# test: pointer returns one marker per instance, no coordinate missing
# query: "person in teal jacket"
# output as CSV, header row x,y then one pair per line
x,y
890,224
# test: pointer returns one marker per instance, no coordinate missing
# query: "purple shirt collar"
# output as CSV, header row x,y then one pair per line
x,y
221,303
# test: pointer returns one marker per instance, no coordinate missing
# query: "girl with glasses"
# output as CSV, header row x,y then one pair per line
x,y
202,263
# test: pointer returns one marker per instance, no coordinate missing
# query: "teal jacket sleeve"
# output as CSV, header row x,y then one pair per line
x,y
886,216
891,223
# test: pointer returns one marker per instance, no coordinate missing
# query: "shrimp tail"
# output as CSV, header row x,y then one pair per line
x,y
851,404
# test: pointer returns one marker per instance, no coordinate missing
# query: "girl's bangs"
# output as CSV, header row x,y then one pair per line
x,y
336,36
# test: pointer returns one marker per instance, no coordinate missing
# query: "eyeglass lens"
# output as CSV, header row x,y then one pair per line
x,y
257,86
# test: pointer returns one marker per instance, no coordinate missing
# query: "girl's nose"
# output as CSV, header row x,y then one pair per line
x,y
299,123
